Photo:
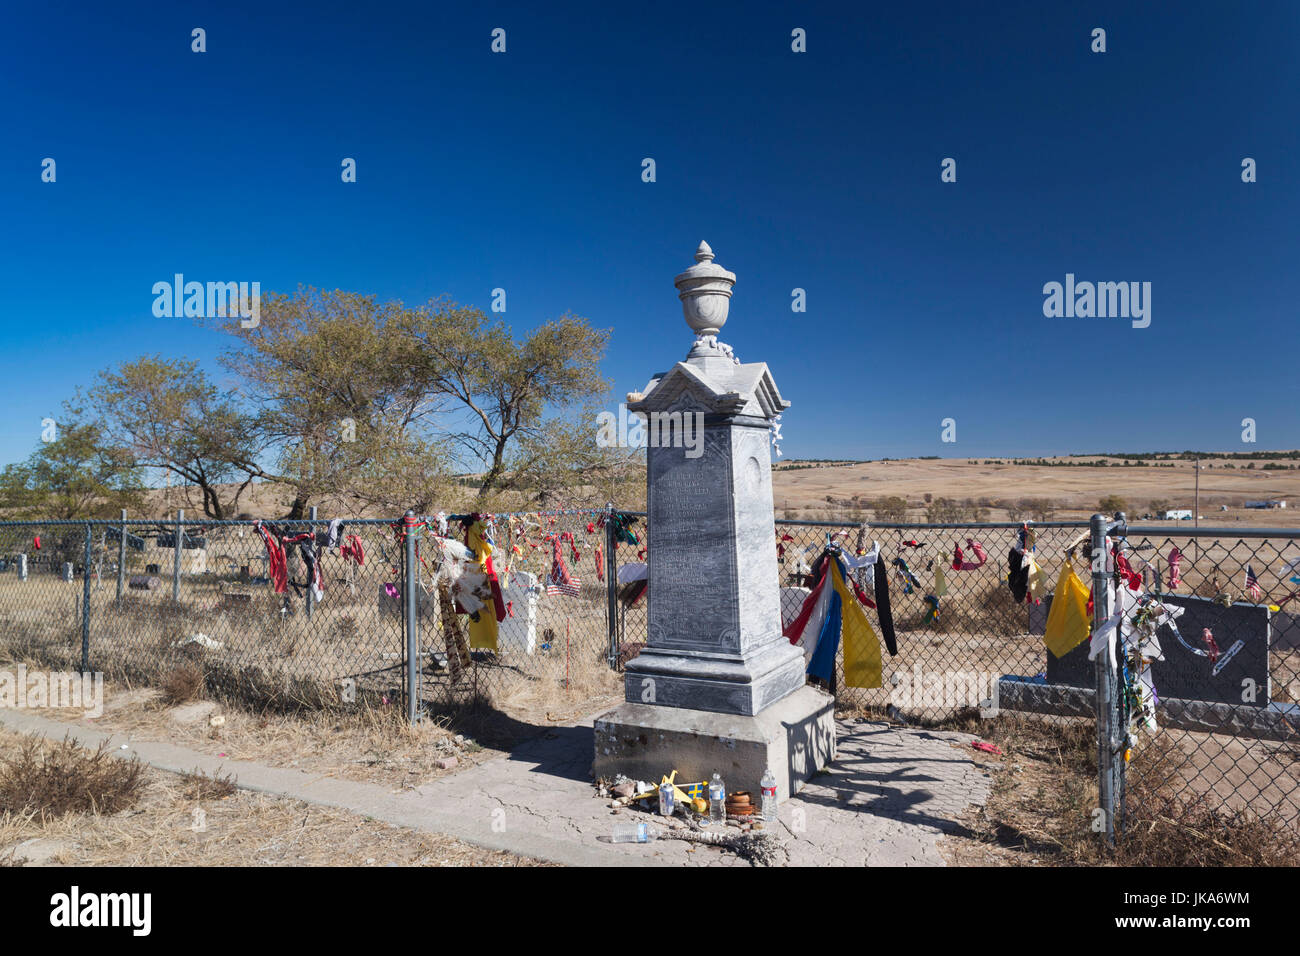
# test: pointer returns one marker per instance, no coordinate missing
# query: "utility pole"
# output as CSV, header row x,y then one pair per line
x,y
1196,508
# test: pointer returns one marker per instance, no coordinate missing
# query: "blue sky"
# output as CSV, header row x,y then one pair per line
x,y
819,170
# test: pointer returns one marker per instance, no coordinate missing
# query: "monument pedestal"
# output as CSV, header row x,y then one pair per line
x,y
795,737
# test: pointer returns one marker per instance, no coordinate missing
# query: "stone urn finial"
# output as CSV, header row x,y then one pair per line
x,y
705,291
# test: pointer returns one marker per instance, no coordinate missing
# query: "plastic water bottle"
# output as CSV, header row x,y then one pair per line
x,y
633,833
768,785
667,800
717,800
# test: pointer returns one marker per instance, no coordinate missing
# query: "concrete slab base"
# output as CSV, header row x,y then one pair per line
x,y
795,737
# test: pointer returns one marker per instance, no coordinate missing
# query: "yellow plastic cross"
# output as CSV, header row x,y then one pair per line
x,y
669,779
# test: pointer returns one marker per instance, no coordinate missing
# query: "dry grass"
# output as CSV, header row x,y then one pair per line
x,y
1042,807
169,826
183,683
197,785
370,743
557,687
46,781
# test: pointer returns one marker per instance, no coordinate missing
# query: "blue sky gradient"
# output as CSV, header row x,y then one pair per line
x,y
819,170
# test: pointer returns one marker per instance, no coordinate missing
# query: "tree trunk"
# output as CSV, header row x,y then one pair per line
x,y
298,510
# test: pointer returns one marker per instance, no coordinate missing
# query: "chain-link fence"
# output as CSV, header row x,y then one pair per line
x,y
959,627
1222,739
120,597
331,624
554,645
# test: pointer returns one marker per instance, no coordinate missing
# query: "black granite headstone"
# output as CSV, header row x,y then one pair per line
x,y
1240,631
134,542
189,544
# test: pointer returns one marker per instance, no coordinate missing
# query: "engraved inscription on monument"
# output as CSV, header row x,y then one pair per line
x,y
692,602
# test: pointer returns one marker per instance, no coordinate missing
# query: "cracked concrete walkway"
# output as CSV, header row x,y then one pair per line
x,y
891,793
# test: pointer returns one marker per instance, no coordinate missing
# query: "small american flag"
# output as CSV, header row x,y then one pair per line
x,y
1252,584
562,582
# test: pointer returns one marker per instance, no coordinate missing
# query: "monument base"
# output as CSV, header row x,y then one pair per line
x,y
795,737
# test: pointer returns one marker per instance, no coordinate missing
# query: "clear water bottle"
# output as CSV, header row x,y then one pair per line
x,y
768,785
634,833
717,800
667,800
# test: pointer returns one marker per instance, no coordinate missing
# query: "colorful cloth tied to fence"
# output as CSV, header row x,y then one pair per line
x,y
483,623
832,613
277,565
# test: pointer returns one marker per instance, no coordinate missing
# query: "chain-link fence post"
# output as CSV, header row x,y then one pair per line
x,y
611,585
309,600
1105,671
409,584
85,601
121,558
176,566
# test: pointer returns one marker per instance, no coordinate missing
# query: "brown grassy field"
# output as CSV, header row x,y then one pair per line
x,y
802,492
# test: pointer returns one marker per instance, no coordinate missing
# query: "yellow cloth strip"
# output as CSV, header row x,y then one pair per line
x,y
860,643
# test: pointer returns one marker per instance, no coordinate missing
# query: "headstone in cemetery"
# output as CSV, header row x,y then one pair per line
x,y
194,561
1191,670
717,688
134,542
144,582
22,567
518,632
151,569
190,542
66,571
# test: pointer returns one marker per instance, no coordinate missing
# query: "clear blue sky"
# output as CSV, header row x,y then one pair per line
x,y
818,170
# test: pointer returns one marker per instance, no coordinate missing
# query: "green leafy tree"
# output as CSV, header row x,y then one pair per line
x,y
341,400
891,508
1109,504
167,416
513,402
77,475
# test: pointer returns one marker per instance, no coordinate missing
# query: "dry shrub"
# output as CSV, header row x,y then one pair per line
x,y
1166,826
1045,809
198,785
1171,831
182,683
53,780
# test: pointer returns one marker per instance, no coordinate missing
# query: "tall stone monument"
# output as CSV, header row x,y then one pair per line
x,y
717,688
